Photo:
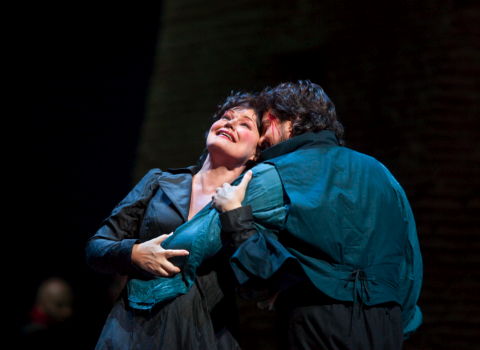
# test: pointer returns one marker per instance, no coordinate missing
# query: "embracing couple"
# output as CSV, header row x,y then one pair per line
x,y
277,210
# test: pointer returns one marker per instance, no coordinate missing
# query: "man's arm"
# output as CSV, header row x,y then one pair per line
x,y
237,226
411,270
252,235
201,237
412,275
236,220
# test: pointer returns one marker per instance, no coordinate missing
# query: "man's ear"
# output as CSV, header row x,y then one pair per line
x,y
288,129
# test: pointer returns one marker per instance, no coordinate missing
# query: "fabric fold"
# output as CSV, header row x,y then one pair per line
x,y
201,237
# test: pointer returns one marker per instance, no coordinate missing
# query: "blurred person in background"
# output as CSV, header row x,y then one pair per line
x,y
49,324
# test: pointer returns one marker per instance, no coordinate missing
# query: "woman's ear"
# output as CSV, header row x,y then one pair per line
x,y
256,155
253,158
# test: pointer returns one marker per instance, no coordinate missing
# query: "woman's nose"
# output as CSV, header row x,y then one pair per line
x,y
231,123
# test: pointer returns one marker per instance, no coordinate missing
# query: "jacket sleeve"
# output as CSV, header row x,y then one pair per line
x,y
237,226
201,237
252,234
411,275
109,249
411,268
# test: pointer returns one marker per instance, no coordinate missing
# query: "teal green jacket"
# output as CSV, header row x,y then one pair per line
x,y
339,213
349,224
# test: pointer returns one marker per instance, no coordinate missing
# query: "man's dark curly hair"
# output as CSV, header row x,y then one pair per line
x,y
304,103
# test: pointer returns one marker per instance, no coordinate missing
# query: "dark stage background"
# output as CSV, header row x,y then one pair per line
x,y
108,92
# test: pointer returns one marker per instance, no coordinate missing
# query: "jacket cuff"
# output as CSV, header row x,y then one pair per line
x,y
125,256
237,220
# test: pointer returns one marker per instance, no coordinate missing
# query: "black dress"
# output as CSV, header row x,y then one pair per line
x,y
200,319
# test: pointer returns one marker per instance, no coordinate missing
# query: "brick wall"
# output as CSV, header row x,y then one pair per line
x,y
404,78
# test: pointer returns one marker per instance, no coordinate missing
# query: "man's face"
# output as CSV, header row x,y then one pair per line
x,y
273,130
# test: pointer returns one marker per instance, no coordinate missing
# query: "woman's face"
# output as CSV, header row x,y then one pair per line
x,y
234,137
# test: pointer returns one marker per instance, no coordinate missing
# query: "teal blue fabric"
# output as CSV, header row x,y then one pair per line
x,y
350,226
346,221
201,237
411,272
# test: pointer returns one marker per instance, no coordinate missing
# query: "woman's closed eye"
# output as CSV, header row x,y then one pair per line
x,y
247,125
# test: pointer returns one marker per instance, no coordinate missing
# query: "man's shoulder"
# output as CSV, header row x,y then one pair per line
x,y
373,166
365,158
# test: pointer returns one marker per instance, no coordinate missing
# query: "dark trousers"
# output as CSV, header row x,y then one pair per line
x,y
309,320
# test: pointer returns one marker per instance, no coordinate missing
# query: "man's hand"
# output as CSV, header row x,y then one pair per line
x,y
151,257
230,197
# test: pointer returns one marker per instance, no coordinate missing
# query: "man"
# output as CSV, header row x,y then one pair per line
x,y
353,271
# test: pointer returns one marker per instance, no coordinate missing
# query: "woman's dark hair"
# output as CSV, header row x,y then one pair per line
x,y
243,100
304,103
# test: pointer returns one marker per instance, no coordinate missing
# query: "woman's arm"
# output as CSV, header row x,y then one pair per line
x,y
201,237
109,250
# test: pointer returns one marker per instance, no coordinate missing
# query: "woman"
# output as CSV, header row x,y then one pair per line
x,y
129,241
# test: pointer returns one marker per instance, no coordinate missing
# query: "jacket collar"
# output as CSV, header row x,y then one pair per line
x,y
192,169
319,138
176,183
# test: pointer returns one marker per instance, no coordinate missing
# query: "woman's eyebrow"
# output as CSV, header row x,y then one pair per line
x,y
246,116
249,118
230,113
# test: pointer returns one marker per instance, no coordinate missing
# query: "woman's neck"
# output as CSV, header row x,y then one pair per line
x,y
206,181
211,176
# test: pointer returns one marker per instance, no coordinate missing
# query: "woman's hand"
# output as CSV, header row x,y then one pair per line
x,y
230,197
151,257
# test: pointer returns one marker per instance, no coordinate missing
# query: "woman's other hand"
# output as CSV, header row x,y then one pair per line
x,y
151,257
230,197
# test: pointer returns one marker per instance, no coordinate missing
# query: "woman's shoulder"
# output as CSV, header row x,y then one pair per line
x,y
150,176
265,178
155,178
143,187
159,174
153,172
263,168
266,174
